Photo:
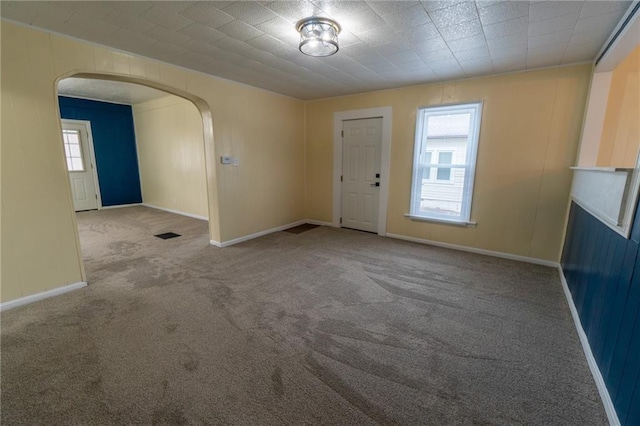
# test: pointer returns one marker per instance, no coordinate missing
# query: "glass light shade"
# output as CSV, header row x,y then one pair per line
x,y
318,36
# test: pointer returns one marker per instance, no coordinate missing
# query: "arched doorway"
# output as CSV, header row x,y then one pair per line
x,y
207,144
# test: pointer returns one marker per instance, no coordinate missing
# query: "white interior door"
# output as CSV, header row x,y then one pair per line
x,y
361,151
80,165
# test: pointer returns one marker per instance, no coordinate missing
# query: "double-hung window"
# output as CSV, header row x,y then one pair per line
x,y
444,162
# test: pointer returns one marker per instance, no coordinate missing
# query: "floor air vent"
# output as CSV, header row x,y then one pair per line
x,y
301,228
167,235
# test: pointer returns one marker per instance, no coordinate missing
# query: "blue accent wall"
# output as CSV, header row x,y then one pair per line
x,y
114,144
602,269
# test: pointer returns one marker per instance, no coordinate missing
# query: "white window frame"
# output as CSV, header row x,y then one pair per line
x,y
475,110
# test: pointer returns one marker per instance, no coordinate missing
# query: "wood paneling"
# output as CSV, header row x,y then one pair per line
x,y
40,249
620,133
603,273
171,154
114,143
529,134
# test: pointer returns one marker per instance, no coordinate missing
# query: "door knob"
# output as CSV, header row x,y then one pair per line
x,y
375,184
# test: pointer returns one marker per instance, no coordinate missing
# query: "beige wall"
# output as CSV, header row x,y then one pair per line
x,y
39,239
528,139
530,128
621,130
594,119
171,151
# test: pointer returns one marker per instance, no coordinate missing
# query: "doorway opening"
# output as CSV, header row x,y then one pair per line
x,y
130,143
361,153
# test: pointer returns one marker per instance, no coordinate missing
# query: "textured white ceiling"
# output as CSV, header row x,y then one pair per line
x,y
383,44
106,90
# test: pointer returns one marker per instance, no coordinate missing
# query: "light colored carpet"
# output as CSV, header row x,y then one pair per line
x,y
326,327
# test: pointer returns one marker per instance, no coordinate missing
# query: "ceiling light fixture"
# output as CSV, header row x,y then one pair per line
x,y
318,36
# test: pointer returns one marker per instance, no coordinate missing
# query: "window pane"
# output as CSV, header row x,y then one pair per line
x,y
439,126
444,174
75,151
72,137
445,157
77,164
72,150
437,199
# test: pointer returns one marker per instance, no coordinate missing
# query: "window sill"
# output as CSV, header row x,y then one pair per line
x,y
442,221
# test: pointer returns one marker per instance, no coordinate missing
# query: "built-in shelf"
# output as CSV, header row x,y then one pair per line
x,y
603,169
608,193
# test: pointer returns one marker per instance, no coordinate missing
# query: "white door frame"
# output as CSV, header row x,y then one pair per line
x,y
92,154
338,118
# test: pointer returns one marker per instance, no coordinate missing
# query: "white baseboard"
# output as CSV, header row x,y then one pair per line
x,y
119,206
40,296
499,254
591,361
257,234
396,236
194,216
